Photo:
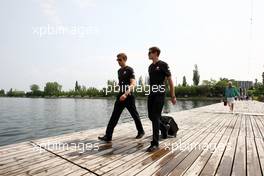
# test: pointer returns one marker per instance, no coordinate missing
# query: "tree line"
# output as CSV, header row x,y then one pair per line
x,y
207,88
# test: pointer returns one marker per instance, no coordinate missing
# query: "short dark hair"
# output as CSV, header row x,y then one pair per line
x,y
122,55
155,49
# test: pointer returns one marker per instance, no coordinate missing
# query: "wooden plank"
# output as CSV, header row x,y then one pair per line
x,y
18,159
253,167
118,168
14,170
260,125
239,165
63,169
225,166
249,130
256,131
80,173
162,161
96,165
212,153
218,136
260,150
177,155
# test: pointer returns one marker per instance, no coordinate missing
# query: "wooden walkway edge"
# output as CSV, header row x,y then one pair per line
x,y
211,142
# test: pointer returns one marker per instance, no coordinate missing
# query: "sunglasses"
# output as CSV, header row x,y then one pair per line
x,y
119,60
150,52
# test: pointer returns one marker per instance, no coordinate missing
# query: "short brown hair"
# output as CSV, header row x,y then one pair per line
x,y
155,49
122,55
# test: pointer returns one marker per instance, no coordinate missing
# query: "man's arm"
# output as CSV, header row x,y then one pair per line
x,y
130,88
172,91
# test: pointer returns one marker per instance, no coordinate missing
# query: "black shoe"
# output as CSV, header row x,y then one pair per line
x,y
105,138
152,148
140,135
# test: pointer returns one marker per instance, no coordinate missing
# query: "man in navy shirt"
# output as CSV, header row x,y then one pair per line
x,y
158,73
125,99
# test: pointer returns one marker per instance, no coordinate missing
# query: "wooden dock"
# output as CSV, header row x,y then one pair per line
x,y
211,141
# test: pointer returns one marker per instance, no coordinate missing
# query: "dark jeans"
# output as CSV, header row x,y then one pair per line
x,y
155,105
129,103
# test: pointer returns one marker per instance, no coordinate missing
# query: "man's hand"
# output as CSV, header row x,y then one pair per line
x,y
123,97
173,100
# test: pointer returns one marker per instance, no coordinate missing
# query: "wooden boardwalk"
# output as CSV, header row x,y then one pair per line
x,y
211,141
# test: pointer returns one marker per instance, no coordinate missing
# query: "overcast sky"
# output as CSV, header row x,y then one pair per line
x,y
215,34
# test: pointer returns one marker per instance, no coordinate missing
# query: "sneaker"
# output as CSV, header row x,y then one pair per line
x,y
152,148
140,135
104,138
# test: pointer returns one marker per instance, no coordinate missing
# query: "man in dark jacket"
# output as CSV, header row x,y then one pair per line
x,y
158,73
125,99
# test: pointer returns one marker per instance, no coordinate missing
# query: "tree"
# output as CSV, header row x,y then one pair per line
x,y
263,78
211,83
256,82
147,80
34,91
10,93
196,76
15,93
111,87
219,87
184,82
224,79
34,88
77,87
52,89
140,81
2,92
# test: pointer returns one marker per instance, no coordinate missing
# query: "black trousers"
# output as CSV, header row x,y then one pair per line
x,y
155,105
119,106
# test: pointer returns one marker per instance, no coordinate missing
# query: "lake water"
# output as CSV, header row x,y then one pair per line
x,y
23,119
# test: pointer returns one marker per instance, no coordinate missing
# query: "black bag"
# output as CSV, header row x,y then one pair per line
x,y
225,102
169,121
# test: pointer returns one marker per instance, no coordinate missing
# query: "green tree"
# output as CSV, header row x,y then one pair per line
x,y
210,82
218,89
34,88
263,78
184,82
256,82
147,80
15,93
77,87
10,93
140,81
34,91
111,86
196,76
52,89
2,92
93,92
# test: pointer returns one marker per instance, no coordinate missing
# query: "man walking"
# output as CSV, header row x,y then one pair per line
x,y
230,94
158,73
124,99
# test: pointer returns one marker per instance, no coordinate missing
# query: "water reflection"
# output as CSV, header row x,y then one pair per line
x,y
25,119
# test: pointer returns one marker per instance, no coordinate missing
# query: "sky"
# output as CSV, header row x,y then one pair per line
x,y
69,40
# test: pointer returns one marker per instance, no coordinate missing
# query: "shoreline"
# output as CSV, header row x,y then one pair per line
x,y
113,97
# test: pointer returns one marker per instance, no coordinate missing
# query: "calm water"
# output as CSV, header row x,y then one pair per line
x,y
24,119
